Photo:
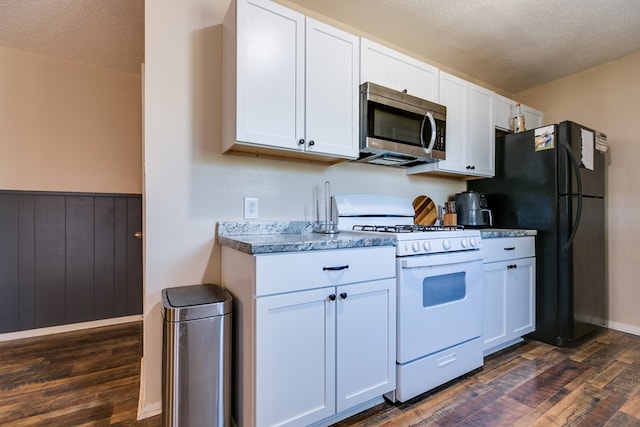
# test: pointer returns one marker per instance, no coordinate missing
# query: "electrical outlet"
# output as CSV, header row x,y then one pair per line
x,y
250,208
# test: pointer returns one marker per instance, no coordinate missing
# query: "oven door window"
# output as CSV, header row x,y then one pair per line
x,y
393,124
443,289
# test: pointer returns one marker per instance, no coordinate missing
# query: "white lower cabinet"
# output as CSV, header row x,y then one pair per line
x,y
323,342
509,291
295,362
365,359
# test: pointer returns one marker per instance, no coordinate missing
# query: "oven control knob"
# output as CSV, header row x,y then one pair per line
x,y
426,245
464,243
446,244
472,242
416,246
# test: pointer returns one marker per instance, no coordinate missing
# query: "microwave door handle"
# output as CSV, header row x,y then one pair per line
x,y
433,132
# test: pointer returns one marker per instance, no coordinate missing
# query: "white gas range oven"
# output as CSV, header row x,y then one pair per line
x,y
439,286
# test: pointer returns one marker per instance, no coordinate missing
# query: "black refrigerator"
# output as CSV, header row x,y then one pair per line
x,y
552,179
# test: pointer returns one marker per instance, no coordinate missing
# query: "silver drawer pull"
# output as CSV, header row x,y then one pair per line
x,y
337,268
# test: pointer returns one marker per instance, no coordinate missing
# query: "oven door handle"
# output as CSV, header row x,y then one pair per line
x,y
440,259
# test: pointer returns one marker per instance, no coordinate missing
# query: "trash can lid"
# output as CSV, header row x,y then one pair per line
x,y
195,302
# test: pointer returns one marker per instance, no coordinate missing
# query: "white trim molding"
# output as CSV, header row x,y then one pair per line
x,y
623,327
68,328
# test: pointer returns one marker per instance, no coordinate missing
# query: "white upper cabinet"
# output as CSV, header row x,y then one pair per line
x,y
480,154
454,94
470,137
532,118
290,84
505,110
387,67
332,108
503,113
270,74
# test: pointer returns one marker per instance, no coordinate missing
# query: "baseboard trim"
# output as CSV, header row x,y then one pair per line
x,y
623,327
150,410
68,328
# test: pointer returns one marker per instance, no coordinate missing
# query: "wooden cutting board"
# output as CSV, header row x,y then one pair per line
x,y
426,210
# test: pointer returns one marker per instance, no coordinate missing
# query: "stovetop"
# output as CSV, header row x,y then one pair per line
x,y
429,239
406,228
395,215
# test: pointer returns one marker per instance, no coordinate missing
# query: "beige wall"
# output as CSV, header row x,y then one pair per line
x,y
607,98
66,126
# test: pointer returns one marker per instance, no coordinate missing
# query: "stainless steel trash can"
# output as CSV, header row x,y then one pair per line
x,y
196,356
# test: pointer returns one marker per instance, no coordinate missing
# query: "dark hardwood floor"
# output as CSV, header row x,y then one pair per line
x,y
532,384
88,378
91,378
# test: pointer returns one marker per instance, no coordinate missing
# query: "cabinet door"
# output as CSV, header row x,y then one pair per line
x,y
532,117
454,95
504,110
503,113
295,358
332,90
495,330
270,74
522,297
480,147
366,343
387,67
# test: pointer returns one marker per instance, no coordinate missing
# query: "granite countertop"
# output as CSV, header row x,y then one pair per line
x,y
291,236
493,233
259,237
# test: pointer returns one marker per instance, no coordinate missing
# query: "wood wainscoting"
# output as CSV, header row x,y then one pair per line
x,y
68,258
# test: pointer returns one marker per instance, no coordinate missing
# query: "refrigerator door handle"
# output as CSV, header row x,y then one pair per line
x,y
576,223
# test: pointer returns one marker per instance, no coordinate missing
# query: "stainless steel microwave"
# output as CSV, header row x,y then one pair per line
x,y
398,129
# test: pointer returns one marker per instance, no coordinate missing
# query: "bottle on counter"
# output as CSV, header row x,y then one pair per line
x,y
518,120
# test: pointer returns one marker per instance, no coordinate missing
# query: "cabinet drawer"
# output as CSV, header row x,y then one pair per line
x,y
287,272
437,368
508,248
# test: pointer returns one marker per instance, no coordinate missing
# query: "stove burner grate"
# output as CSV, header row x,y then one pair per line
x,y
412,228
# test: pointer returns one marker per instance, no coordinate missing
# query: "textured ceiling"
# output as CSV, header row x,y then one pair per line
x,y
105,33
512,45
